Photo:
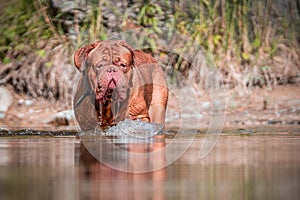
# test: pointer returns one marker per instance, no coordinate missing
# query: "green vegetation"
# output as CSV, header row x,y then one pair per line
x,y
258,40
22,25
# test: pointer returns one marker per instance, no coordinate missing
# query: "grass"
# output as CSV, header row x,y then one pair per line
x,y
248,40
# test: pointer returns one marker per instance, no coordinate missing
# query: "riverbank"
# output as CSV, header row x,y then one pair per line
x,y
279,106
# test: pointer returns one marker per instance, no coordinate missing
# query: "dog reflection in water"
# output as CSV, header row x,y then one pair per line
x,y
105,182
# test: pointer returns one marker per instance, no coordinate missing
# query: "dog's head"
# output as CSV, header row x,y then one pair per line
x,y
107,64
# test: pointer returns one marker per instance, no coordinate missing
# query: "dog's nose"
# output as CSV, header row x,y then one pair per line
x,y
111,69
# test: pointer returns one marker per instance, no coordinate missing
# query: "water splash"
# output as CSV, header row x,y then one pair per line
x,y
133,128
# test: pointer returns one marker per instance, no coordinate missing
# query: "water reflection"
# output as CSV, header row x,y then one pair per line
x,y
108,183
250,167
127,153
35,168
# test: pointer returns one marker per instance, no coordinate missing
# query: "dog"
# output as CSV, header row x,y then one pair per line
x,y
118,83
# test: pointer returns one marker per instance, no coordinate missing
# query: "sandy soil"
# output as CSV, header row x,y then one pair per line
x,y
259,107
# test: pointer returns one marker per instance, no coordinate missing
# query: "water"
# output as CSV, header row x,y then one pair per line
x,y
255,166
134,128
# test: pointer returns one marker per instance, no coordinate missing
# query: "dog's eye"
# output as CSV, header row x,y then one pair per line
x,y
99,66
123,65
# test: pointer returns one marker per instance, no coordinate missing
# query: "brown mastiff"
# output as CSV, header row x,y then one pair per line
x,y
118,83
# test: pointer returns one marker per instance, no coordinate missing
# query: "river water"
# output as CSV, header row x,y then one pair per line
x,y
240,166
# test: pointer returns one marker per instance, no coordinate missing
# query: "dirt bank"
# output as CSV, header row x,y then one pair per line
x,y
259,107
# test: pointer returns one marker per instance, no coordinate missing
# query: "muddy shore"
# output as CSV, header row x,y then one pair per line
x,y
276,107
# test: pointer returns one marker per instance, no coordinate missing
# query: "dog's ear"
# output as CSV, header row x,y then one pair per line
x,y
127,46
82,53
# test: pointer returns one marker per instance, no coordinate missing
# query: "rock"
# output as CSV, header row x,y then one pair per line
x,y
293,121
61,118
274,122
206,105
21,101
21,115
2,115
26,102
6,101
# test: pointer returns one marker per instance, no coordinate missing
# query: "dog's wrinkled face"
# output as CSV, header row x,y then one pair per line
x,y
108,67
108,73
